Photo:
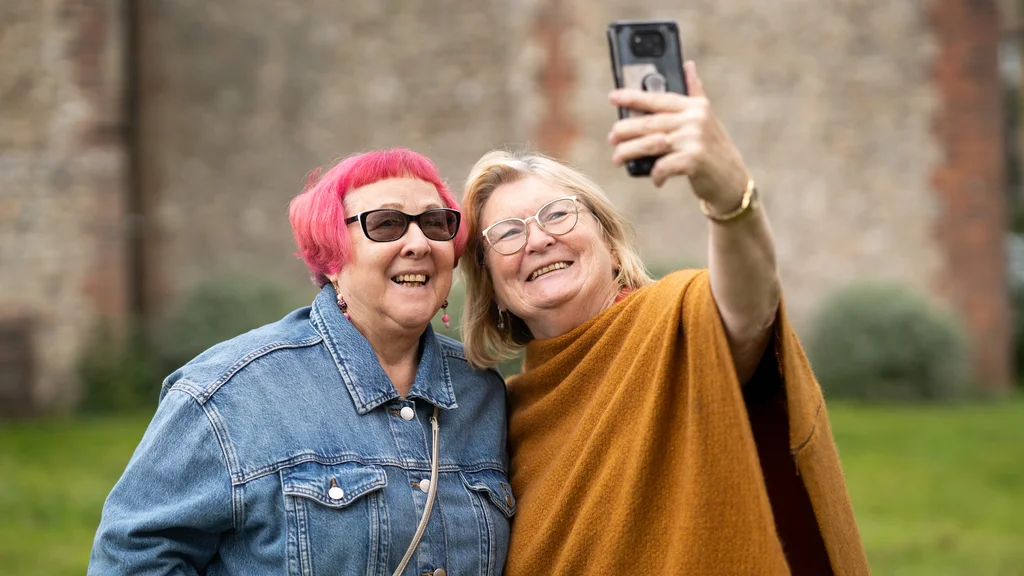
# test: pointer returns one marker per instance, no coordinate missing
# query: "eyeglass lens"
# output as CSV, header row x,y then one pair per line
x,y
556,218
390,225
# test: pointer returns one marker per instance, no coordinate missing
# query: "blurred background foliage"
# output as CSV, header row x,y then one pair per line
x,y
878,343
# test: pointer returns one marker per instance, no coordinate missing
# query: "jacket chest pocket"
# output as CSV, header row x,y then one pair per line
x,y
494,505
337,518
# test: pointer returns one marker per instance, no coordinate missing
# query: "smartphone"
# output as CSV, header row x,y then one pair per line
x,y
646,55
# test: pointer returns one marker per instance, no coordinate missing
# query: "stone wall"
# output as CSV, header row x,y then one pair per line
x,y
241,99
62,263
831,105
872,128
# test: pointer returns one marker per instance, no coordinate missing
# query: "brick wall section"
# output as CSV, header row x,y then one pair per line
x,y
556,79
61,163
831,104
95,59
970,180
241,98
874,132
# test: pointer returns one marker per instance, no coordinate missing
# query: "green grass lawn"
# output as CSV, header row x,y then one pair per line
x,y
55,477
936,490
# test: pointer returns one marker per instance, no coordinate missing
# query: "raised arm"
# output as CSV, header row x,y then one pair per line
x,y
741,251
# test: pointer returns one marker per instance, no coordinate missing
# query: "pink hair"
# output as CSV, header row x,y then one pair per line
x,y
318,215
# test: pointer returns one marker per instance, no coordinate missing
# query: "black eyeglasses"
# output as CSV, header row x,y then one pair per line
x,y
387,225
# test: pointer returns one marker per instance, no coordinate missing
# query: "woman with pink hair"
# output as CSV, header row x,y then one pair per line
x,y
346,438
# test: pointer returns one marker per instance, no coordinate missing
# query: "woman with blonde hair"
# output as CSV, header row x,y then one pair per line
x,y
669,427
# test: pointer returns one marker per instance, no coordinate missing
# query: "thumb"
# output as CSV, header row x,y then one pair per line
x,y
693,83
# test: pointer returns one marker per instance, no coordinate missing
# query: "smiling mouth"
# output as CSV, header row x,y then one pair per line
x,y
548,268
410,280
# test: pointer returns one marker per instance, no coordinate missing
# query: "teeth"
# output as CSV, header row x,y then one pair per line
x,y
549,268
410,279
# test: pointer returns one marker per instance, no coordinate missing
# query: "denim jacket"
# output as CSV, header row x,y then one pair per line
x,y
287,450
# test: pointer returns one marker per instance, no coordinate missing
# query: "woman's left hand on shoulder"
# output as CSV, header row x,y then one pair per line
x,y
684,131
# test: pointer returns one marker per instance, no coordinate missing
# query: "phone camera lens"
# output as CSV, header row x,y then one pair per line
x,y
647,44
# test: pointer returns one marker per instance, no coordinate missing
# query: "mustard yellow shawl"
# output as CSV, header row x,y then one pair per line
x,y
634,451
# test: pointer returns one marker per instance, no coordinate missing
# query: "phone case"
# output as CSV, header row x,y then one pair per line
x,y
637,62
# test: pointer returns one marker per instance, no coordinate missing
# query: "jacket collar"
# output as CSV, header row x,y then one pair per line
x,y
362,373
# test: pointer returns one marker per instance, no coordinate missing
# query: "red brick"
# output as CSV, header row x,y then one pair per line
x,y
970,182
557,78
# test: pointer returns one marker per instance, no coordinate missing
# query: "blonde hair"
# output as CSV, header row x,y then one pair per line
x,y
486,345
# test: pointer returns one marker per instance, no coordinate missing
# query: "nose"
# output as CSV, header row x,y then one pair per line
x,y
537,239
416,244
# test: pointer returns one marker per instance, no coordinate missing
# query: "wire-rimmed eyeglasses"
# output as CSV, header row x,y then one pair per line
x,y
557,217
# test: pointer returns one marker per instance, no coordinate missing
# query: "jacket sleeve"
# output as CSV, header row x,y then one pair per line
x,y
167,512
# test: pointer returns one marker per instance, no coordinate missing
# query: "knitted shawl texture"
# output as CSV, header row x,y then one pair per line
x,y
632,450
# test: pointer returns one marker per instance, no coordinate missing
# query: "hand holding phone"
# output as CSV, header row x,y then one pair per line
x,y
646,55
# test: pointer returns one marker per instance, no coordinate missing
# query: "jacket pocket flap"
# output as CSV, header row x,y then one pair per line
x,y
333,485
495,484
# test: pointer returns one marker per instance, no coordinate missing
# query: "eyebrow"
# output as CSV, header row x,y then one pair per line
x,y
397,206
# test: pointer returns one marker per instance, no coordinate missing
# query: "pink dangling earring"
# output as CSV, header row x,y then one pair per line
x,y
343,306
444,317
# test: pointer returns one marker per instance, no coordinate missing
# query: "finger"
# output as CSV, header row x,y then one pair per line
x,y
679,163
682,127
648,101
650,145
637,126
693,84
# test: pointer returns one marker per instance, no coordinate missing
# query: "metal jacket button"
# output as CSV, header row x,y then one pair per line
x,y
407,413
335,493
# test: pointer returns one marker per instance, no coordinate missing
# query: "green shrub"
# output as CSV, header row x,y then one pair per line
x,y
661,269
1015,275
1017,305
884,343
118,373
218,310
123,373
